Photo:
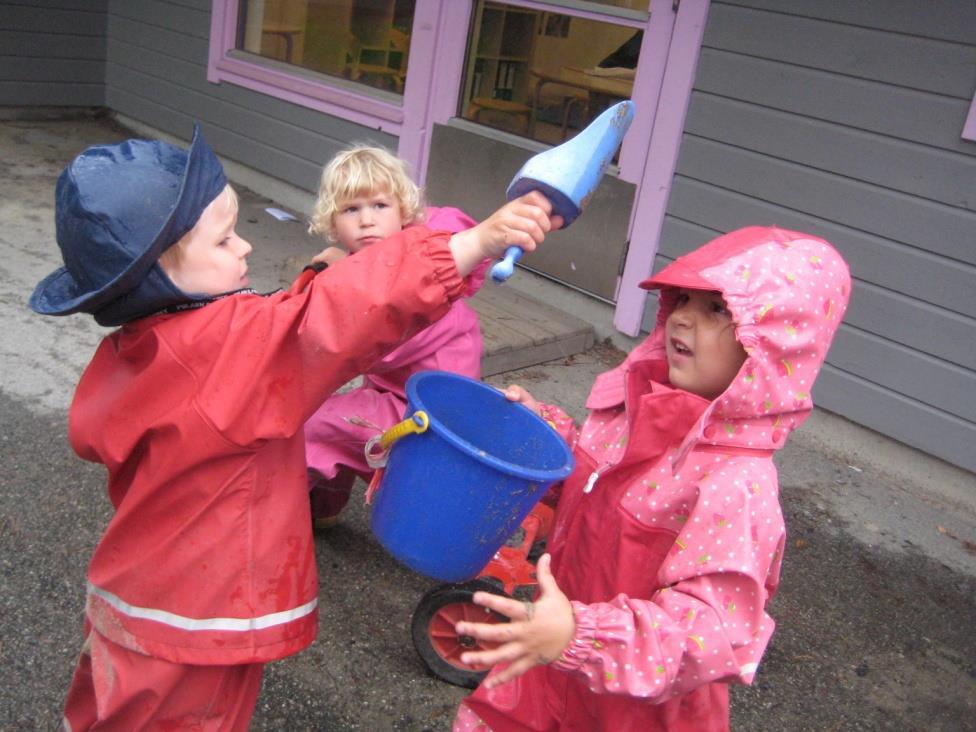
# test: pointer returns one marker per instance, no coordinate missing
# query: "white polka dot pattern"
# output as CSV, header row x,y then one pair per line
x,y
657,467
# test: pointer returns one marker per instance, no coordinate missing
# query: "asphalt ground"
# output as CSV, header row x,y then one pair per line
x,y
876,611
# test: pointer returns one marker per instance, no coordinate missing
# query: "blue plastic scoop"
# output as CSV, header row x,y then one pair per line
x,y
569,173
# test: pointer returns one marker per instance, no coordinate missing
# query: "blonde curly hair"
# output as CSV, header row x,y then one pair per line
x,y
362,170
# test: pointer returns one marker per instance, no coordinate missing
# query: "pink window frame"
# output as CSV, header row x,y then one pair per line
x,y
969,128
224,65
682,48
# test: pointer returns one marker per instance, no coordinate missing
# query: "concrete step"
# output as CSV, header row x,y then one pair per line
x,y
520,331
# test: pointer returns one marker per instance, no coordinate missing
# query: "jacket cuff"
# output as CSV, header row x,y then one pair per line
x,y
560,421
575,655
476,278
434,245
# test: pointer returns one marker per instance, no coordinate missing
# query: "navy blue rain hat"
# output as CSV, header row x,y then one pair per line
x,y
117,208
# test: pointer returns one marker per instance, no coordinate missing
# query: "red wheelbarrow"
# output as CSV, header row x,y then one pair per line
x,y
510,572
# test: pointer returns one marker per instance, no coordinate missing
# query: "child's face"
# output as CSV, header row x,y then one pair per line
x,y
703,354
365,220
212,257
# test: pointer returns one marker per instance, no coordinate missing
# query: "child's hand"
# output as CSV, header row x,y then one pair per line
x,y
523,222
515,393
538,632
330,255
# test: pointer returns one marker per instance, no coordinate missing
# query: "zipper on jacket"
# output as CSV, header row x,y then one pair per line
x,y
595,476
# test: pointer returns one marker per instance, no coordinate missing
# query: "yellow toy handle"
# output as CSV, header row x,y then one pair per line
x,y
378,447
413,425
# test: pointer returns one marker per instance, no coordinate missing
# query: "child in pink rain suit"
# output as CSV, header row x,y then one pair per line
x,y
366,195
668,537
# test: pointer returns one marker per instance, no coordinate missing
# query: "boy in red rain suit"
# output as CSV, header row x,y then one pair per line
x,y
668,536
195,406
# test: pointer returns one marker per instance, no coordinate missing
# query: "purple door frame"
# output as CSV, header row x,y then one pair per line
x,y
676,78
662,87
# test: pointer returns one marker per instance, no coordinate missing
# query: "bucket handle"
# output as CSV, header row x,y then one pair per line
x,y
415,424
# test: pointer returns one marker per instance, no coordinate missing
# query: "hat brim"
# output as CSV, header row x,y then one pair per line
x,y
58,294
677,274
203,179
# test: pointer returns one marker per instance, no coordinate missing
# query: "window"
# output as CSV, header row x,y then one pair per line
x,y
546,75
346,58
365,41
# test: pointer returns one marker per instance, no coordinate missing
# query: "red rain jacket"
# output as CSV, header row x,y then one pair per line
x,y
198,418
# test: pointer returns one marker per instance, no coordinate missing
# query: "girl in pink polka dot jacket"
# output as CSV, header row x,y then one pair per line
x,y
668,537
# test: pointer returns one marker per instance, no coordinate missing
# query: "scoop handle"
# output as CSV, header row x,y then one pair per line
x,y
505,267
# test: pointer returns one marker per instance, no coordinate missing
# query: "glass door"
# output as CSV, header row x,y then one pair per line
x,y
535,74
545,75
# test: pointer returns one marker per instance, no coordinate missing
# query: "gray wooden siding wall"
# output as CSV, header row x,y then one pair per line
x,y
156,73
843,119
52,53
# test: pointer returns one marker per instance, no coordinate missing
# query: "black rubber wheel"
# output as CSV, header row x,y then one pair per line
x,y
537,549
434,637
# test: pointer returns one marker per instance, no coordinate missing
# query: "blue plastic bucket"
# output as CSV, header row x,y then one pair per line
x,y
451,496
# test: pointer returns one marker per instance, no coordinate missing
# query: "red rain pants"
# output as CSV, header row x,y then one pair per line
x,y
117,689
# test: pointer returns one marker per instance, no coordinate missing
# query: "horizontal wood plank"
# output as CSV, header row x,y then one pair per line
x,y
896,416
900,165
899,217
519,331
948,20
51,94
55,20
51,46
496,363
862,52
195,22
907,114
527,331
891,265
889,314
945,386
89,6
172,42
65,71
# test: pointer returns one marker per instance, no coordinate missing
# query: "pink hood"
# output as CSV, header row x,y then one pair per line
x,y
787,292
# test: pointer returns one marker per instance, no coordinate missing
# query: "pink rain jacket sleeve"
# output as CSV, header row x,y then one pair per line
x,y
197,416
668,537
